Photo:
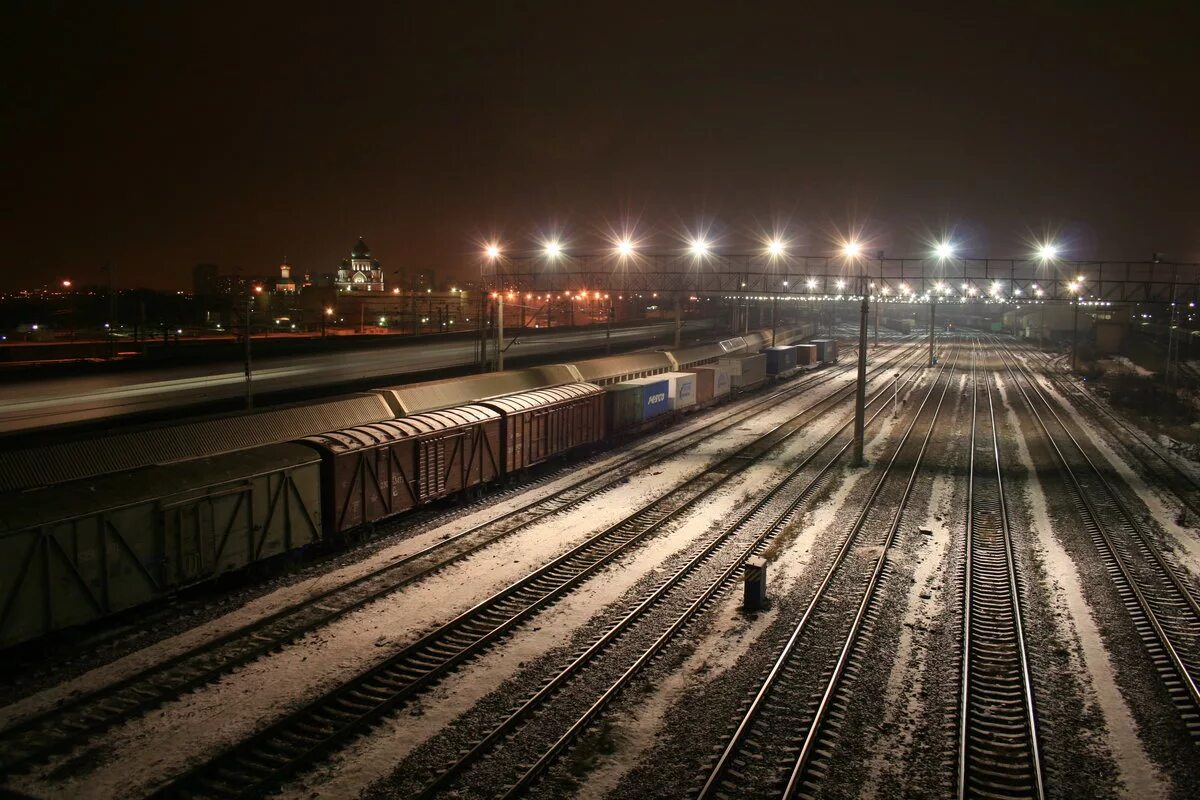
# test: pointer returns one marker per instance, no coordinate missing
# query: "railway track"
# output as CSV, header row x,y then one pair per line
x,y
87,714
998,755
775,749
304,737
1165,471
1164,611
571,697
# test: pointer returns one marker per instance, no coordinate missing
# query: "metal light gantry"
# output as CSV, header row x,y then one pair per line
x,y
758,276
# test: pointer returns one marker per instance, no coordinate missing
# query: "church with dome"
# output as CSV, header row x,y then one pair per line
x,y
360,272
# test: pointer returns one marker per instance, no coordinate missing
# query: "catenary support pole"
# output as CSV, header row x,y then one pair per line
x,y
932,312
608,329
860,393
249,374
1075,337
678,321
500,333
774,314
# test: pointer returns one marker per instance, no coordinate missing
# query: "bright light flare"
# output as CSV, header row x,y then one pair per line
x,y
1047,251
851,249
943,250
625,248
776,248
492,251
698,247
553,249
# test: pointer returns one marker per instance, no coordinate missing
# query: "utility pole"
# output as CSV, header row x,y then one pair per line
x,y
878,294
860,394
678,321
932,310
249,373
774,313
500,333
1075,336
608,328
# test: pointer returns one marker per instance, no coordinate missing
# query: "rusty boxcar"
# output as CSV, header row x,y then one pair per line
x,y
544,423
373,471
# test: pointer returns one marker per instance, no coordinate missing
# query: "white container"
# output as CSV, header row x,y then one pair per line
x,y
681,391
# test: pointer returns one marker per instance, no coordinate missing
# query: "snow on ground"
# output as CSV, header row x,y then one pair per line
x,y
376,756
1132,367
163,743
291,595
1076,623
1163,506
638,730
903,701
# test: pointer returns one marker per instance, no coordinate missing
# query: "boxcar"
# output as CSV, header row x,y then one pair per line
x,y
75,552
373,471
544,423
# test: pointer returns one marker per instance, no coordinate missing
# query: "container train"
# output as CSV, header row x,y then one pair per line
x,y
190,502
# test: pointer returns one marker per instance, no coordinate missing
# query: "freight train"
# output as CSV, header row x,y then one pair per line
x,y
99,526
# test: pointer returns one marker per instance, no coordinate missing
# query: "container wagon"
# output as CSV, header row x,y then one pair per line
x,y
827,350
636,405
681,390
719,379
77,552
781,361
806,355
745,372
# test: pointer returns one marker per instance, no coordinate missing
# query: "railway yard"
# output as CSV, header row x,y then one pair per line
x,y
1004,601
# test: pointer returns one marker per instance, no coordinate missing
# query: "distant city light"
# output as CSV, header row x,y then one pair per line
x,y
66,284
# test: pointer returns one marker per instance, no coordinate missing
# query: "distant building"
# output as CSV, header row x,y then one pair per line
x,y
284,282
360,272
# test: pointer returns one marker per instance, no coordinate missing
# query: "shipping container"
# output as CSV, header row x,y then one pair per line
x,y
681,390
545,423
780,360
705,379
373,471
632,403
74,553
827,350
806,355
745,372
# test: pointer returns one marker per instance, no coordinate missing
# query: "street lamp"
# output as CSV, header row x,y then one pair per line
x,y
698,247
851,251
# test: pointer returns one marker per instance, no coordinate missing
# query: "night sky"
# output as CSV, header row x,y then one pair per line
x,y
158,135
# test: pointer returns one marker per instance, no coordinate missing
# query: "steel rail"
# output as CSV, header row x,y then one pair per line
x,y
724,762
40,736
714,588
1164,653
303,736
998,748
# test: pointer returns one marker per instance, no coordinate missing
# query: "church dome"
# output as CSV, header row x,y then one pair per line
x,y
360,249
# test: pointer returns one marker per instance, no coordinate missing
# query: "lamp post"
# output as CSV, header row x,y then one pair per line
x,y
850,251
1046,254
492,253
328,312
942,251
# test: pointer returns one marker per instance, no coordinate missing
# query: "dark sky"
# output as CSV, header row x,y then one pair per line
x,y
158,135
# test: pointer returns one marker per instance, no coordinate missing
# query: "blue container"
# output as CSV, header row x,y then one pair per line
x,y
655,399
780,359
